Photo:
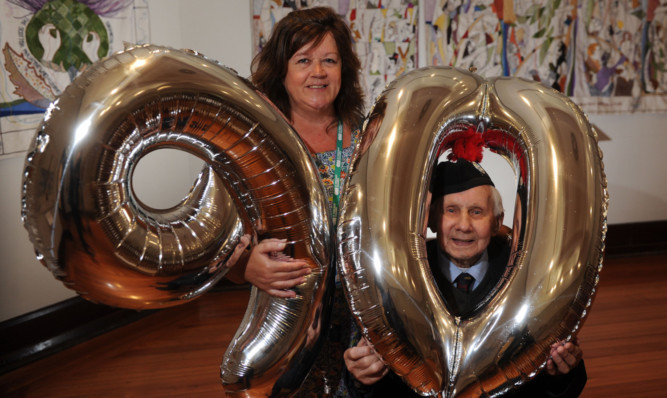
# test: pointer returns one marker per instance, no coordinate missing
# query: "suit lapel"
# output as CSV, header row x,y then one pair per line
x,y
459,303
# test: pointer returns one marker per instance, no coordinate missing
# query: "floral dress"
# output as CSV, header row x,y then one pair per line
x,y
326,165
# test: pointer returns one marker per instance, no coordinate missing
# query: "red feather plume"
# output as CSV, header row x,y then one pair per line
x,y
469,145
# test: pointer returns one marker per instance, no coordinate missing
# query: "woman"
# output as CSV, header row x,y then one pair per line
x,y
309,71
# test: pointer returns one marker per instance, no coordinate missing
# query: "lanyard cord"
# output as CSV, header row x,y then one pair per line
x,y
337,171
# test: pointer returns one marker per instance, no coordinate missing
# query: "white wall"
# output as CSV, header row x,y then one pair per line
x,y
634,162
636,165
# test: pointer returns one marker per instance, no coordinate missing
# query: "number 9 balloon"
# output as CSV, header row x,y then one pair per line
x,y
98,238
559,230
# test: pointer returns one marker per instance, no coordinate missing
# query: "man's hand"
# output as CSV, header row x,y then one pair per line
x,y
272,271
564,357
364,363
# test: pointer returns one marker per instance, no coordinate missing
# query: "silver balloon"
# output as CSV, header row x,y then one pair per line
x,y
559,230
98,238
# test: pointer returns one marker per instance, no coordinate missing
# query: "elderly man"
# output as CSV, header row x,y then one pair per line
x,y
467,259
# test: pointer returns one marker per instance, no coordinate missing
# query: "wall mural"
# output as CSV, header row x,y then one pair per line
x,y
609,56
45,45
385,33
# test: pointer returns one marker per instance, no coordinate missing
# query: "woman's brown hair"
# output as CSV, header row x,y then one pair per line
x,y
290,34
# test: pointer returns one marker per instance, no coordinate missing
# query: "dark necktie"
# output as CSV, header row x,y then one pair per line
x,y
464,282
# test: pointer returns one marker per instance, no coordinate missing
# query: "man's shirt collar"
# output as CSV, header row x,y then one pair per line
x,y
451,271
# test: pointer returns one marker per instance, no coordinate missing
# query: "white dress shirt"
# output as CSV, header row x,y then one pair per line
x,y
452,271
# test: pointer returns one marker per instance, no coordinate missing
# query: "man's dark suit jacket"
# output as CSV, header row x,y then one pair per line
x,y
464,305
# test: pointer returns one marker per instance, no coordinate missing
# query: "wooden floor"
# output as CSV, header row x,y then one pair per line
x,y
177,352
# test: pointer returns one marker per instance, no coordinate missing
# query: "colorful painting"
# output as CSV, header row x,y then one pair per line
x,y
609,56
46,44
385,33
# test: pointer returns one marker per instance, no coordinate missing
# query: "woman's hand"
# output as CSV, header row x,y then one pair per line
x,y
272,271
364,363
239,251
237,261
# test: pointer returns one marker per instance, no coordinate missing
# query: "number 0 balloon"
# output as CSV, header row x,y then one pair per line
x,y
558,243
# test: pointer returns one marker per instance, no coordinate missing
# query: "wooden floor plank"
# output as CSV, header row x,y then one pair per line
x,y
625,336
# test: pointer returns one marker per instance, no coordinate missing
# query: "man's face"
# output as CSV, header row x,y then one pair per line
x,y
465,224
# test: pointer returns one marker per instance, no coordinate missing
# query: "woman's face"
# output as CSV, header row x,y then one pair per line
x,y
313,76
